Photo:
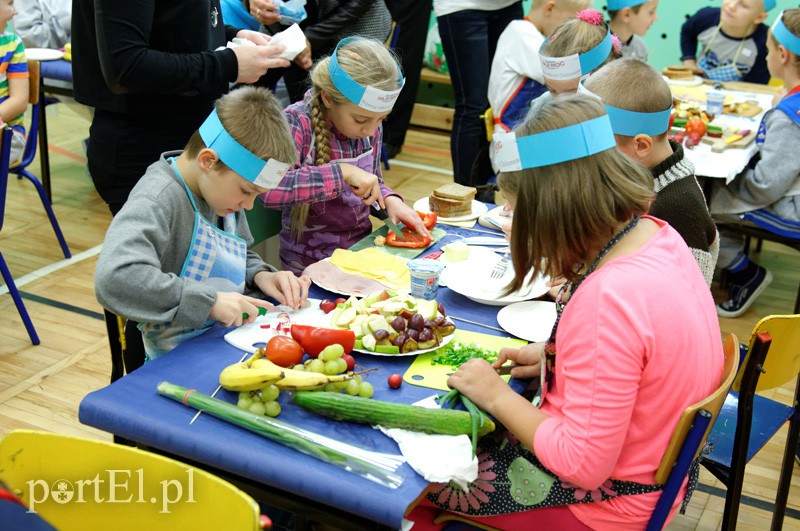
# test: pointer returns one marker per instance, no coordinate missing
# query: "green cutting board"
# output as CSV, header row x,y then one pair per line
x,y
403,252
425,374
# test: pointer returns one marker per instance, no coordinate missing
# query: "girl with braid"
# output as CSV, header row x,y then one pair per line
x,y
337,131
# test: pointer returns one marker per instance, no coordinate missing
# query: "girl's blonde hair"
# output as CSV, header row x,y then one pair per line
x,y
254,118
369,63
576,35
566,212
791,19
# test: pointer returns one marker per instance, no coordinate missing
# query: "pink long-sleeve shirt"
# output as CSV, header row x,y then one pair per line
x,y
637,343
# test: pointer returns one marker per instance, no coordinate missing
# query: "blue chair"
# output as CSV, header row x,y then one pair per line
x,y
683,450
5,151
29,154
747,421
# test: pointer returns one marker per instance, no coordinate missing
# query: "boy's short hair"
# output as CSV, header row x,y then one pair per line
x,y
791,19
632,85
254,118
612,13
566,212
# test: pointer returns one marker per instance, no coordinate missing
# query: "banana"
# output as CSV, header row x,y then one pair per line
x,y
306,381
245,376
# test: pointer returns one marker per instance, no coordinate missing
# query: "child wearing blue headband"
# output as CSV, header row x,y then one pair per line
x,y
639,102
635,342
337,132
630,20
176,256
767,194
731,39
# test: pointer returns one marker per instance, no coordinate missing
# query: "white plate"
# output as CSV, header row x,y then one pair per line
x,y
478,209
472,279
694,82
43,54
346,293
530,320
476,254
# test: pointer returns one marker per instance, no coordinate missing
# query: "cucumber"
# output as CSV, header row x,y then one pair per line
x,y
389,414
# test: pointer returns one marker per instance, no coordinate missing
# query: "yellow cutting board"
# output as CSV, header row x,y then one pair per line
x,y
424,373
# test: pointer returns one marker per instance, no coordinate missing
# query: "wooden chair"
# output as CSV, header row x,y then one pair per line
x,y
690,436
54,475
5,151
747,421
29,154
685,445
760,234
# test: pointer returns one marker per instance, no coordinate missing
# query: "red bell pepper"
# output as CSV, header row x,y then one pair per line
x,y
412,240
428,219
314,339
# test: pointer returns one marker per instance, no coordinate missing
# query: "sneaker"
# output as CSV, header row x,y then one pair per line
x,y
742,295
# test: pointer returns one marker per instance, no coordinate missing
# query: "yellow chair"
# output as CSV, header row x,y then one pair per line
x,y
747,421
80,484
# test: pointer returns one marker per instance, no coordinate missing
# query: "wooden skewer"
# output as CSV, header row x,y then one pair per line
x,y
214,394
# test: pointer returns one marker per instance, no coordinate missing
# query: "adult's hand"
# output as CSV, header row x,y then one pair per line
x,y
265,11
254,61
256,37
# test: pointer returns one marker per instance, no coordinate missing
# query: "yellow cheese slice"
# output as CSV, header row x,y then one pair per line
x,y
389,270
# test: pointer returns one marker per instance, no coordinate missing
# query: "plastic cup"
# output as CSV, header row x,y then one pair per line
x,y
425,277
714,101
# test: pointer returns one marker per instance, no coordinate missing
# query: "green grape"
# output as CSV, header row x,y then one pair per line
x,y
331,367
342,365
299,367
245,394
330,387
257,407
340,385
365,390
358,378
316,365
270,393
352,387
244,403
332,352
272,409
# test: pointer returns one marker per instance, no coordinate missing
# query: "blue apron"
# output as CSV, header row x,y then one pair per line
x,y
720,72
216,257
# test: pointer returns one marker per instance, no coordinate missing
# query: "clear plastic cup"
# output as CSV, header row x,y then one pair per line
x,y
425,277
714,101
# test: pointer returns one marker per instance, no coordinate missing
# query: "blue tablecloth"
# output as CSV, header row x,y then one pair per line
x,y
131,408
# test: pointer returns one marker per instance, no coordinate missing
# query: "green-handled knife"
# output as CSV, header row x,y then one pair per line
x,y
382,215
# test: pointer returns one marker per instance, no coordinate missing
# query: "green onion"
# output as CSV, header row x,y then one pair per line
x,y
457,354
375,466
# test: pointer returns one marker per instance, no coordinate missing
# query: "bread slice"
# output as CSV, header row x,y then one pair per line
x,y
449,208
678,72
456,192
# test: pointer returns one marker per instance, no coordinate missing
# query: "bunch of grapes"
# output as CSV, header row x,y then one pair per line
x,y
261,402
330,361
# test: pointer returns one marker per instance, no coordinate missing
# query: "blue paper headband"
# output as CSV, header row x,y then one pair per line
x,y
369,98
266,174
786,38
632,123
616,5
553,147
769,4
575,65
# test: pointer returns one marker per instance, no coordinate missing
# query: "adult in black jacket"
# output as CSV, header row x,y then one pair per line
x,y
151,72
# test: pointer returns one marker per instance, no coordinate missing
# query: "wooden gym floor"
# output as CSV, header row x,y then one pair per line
x,y
42,386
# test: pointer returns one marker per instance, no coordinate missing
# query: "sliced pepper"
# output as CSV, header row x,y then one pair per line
x,y
314,339
412,239
428,219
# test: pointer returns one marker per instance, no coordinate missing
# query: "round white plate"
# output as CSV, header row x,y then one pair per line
x,y
43,54
478,209
530,320
472,279
476,254
697,80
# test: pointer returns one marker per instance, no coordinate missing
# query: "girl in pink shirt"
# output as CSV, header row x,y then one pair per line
x,y
637,339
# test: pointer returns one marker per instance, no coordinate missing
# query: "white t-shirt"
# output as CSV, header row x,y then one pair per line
x,y
445,7
516,58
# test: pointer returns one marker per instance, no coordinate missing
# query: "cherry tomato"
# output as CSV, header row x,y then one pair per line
x,y
695,127
340,301
327,306
395,381
351,362
284,351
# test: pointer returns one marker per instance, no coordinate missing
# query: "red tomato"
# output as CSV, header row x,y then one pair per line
x,y
284,351
395,381
327,306
695,127
351,362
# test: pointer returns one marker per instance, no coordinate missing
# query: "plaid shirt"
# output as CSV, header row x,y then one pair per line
x,y
308,183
